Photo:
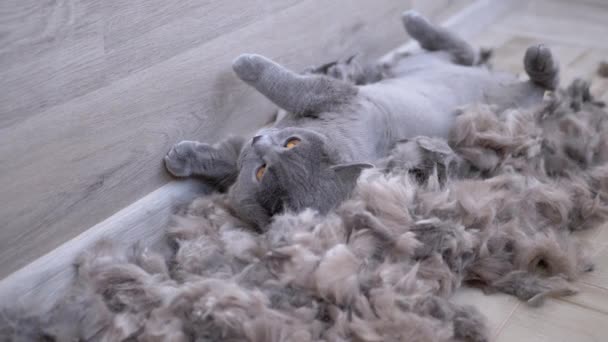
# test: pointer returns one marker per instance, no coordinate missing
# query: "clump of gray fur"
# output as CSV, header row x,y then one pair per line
x,y
495,209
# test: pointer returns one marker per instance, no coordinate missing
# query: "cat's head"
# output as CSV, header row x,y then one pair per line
x,y
289,169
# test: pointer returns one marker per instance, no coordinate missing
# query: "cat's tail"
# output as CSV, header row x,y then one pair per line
x,y
435,38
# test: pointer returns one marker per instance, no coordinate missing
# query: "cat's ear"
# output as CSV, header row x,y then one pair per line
x,y
349,173
298,94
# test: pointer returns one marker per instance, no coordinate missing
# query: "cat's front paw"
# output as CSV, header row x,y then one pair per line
x,y
178,160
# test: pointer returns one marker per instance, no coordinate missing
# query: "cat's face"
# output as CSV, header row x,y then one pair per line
x,y
288,169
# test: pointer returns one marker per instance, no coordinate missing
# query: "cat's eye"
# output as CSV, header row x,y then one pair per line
x,y
260,172
291,143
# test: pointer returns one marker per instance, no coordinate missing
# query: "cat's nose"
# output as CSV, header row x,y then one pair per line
x,y
262,145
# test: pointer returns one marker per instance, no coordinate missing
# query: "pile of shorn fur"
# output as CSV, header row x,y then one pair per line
x,y
494,208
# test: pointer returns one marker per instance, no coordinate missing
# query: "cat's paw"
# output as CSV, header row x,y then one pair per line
x,y
541,66
249,67
538,58
412,15
416,24
179,159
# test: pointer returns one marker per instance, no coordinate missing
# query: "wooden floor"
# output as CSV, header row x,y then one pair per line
x,y
137,63
577,31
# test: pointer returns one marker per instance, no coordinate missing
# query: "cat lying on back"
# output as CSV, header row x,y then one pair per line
x,y
334,129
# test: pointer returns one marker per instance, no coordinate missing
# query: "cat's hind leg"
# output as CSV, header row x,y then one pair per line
x,y
434,38
543,71
215,163
542,67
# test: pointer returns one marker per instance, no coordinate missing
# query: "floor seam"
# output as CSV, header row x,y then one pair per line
x,y
505,321
580,305
593,285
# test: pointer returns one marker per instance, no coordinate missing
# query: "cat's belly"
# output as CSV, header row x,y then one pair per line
x,y
426,102
405,114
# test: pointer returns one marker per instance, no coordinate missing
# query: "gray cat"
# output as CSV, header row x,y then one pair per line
x,y
313,156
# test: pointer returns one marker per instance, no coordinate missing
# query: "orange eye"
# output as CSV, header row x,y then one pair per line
x,y
260,172
291,143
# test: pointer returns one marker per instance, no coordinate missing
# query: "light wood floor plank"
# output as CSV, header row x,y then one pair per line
x,y
557,28
50,53
598,3
133,45
579,11
585,66
599,276
555,321
590,297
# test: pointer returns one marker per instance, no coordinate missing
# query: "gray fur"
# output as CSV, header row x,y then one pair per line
x,y
339,122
